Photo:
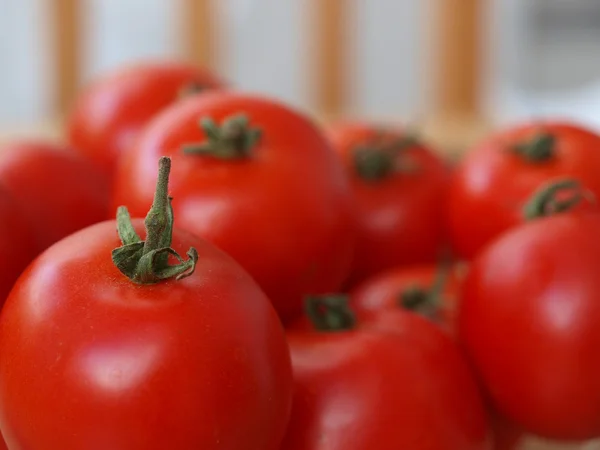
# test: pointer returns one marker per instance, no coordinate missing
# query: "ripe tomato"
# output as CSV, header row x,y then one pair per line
x,y
491,185
529,321
58,191
110,112
399,186
17,247
258,180
362,386
94,360
430,290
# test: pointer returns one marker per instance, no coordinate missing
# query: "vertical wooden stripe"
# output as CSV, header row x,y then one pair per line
x,y
200,19
328,26
67,38
456,56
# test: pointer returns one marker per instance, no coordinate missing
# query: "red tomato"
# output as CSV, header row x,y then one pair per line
x,y
399,186
94,360
529,321
429,290
493,182
368,388
59,192
109,114
17,247
270,192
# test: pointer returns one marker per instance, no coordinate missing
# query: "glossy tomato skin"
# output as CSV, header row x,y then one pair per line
x,y
401,216
109,114
58,191
371,388
490,187
285,213
92,361
529,322
382,292
17,247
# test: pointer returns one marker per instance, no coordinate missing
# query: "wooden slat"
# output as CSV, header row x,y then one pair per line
x,y
66,41
329,25
456,56
200,19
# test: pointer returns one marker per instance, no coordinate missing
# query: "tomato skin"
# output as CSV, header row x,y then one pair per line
x,y
58,191
528,320
17,248
369,388
109,114
490,187
285,213
93,361
400,217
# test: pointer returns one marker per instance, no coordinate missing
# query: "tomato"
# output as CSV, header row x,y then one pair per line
x,y
529,322
491,185
360,386
109,114
399,186
58,191
258,180
138,352
428,289
17,247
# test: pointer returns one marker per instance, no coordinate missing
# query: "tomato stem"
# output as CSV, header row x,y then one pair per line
x,y
190,89
147,262
539,148
377,158
330,312
554,197
234,139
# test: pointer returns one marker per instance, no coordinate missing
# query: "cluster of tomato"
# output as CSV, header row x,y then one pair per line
x,y
269,284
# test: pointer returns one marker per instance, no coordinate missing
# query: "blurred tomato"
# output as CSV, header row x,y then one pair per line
x,y
399,186
109,114
257,179
492,184
59,192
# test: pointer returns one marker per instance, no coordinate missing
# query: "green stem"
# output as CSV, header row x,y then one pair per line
x,y
554,197
147,262
540,148
234,139
330,312
427,300
377,158
190,89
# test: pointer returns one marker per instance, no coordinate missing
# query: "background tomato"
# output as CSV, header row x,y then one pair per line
x,y
91,359
17,246
110,112
529,321
367,387
493,182
59,192
270,192
399,186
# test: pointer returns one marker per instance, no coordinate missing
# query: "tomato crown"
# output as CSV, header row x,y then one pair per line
x,y
540,148
554,197
147,262
330,313
234,139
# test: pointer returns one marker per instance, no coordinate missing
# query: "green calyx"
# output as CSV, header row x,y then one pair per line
x,y
234,139
539,148
190,89
147,262
377,158
426,300
330,313
554,197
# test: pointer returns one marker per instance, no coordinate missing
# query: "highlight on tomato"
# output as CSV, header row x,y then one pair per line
x,y
112,338
399,185
529,317
257,179
108,115
495,179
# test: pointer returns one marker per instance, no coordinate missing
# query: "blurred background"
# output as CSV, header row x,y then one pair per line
x,y
454,68
455,65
